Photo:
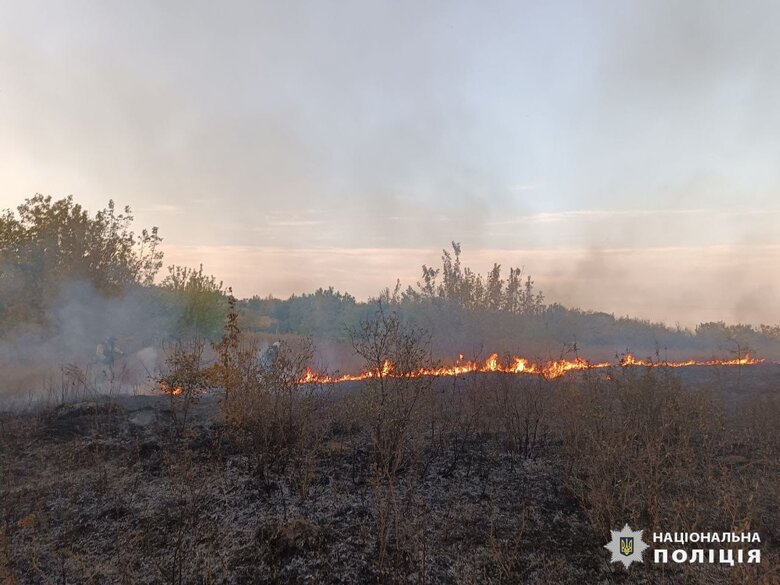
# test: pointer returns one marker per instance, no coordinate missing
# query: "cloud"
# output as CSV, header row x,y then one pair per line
x,y
292,223
164,208
612,214
251,128
520,187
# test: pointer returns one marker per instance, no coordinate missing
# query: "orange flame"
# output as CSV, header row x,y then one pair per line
x,y
178,390
516,365
170,391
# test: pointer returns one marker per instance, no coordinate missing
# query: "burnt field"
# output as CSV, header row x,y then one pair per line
x,y
482,478
164,431
389,293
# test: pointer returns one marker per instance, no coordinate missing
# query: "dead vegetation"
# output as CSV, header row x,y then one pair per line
x,y
483,478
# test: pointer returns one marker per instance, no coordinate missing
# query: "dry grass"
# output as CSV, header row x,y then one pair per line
x,y
477,479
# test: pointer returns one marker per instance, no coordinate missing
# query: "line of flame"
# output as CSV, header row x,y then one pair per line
x,y
517,365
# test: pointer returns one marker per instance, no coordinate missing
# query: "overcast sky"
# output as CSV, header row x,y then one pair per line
x,y
625,153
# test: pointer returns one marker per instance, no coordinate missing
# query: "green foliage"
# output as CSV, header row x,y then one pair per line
x,y
198,299
49,242
504,313
770,331
719,331
326,312
227,350
464,287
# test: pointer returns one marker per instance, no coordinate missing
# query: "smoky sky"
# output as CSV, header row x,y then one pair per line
x,y
582,140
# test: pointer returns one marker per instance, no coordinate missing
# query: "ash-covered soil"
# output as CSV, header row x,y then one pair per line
x,y
127,491
101,492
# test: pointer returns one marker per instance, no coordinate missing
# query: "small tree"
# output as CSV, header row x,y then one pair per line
x,y
273,411
464,287
392,403
227,350
198,299
184,380
47,243
269,405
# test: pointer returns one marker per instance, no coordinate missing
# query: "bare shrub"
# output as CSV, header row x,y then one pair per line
x,y
638,445
183,380
74,385
272,411
750,467
519,407
391,403
456,409
391,397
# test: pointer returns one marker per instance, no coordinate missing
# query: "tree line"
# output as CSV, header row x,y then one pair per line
x,y
46,243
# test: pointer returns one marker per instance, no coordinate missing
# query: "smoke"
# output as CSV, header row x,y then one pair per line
x,y
79,319
354,127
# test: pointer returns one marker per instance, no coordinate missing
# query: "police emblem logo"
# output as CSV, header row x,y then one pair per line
x,y
626,546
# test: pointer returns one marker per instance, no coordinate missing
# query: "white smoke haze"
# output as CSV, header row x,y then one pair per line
x,y
81,318
624,154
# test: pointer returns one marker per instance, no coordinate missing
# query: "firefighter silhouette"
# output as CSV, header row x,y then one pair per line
x,y
271,354
107,352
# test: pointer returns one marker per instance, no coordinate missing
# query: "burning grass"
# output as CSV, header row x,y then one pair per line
x,y
416,473
517,365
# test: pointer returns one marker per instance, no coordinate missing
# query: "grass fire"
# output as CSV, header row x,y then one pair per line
x,y
169,432
518,365
389,293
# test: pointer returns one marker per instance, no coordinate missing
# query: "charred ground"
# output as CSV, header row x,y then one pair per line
x,y
498,480
242,474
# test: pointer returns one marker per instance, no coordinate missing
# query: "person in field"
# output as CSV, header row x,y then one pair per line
x,y
107,352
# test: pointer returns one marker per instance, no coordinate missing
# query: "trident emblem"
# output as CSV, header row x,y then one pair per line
x,y
627,545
